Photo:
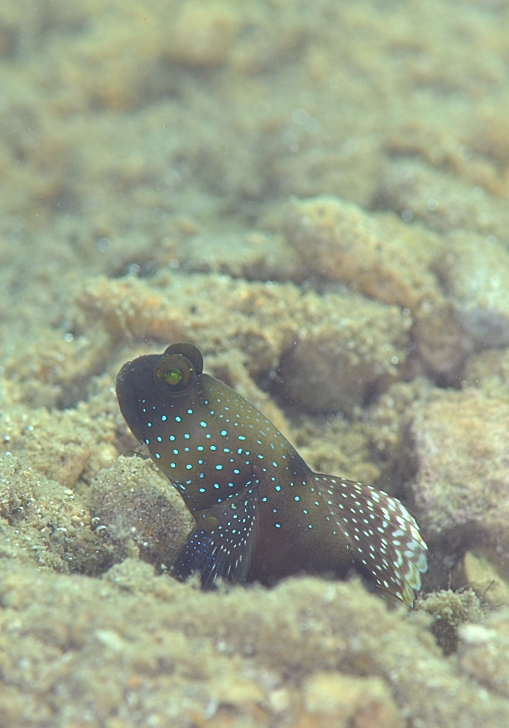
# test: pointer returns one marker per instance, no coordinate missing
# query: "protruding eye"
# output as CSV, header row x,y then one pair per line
x,y
174,372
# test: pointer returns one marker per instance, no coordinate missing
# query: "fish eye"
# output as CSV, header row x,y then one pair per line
x,y
174,372
173,376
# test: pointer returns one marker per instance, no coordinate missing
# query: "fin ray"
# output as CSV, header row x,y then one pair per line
x,y
382,535
222,545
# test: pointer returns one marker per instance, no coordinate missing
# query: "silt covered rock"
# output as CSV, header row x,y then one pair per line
x,y
132,503
460,489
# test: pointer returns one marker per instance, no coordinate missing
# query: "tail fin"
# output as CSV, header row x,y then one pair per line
x,y
382,535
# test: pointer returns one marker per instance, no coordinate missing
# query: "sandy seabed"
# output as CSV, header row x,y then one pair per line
x,y
316,195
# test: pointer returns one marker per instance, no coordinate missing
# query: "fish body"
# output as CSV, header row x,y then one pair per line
x,y
261,512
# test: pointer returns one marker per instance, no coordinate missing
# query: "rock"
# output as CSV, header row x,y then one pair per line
x,y
341,242
132,502
443,201
442,344
387,261
344,701
483,652
475,272
350,350
203,34
44,522
255,256
460,441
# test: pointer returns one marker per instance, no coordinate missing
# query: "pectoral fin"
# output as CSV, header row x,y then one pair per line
x,y
222,544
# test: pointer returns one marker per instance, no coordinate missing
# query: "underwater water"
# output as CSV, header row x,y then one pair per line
x,y
315,196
